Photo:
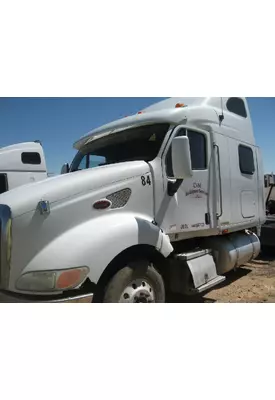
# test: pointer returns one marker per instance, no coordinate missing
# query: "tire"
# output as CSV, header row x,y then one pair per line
x,y
139,281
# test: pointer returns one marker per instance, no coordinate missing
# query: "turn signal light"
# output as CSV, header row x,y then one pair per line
x,y
68,278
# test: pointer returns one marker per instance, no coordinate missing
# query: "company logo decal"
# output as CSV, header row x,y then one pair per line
x,y
197,191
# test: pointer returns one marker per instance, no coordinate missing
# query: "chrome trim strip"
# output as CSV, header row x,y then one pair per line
x,y
12,297
74,299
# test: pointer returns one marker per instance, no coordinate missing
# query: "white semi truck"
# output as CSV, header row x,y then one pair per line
x,y
20,164
168,200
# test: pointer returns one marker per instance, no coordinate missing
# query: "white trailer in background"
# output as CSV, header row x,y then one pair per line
x,y
20,164
170,199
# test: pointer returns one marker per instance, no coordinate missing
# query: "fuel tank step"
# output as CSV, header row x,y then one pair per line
x,y
203,269
209,285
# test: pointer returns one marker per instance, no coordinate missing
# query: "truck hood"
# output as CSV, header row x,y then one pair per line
x,y
25,198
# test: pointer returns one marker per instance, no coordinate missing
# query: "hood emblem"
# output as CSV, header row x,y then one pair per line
x,y
44,207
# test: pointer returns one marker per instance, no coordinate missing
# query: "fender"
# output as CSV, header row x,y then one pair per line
x,y
97,242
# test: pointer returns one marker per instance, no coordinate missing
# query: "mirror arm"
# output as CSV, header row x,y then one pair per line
x,y
173,187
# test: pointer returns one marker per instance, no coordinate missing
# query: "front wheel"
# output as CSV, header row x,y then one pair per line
x,y
136,283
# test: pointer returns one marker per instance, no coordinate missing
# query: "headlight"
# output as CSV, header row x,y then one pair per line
x,y
47,281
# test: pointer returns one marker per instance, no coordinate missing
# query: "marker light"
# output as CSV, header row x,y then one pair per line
x,y
180,105
102,204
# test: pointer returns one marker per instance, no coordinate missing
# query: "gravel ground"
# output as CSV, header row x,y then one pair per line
x,y
253,283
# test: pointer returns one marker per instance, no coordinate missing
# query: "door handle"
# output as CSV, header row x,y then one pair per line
x,y
220,180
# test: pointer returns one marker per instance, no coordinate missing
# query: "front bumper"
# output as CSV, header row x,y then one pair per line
x,y
10,297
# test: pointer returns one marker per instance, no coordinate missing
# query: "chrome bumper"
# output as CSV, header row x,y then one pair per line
x,y
85,298
9,297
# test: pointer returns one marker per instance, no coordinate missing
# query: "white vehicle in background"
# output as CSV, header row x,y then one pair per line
x,y
168,200
21,164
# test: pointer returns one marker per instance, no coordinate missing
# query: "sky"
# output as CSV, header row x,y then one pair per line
x,y
59,122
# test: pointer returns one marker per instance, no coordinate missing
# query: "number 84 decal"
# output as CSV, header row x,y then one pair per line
x,y
146,180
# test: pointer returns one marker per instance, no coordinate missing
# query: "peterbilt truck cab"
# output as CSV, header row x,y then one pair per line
x,y
167,200
20,164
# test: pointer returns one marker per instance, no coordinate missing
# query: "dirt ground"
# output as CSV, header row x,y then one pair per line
x,y
253,283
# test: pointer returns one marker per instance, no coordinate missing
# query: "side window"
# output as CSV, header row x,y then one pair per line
x,y
31,158
198,150
3,183
246,160
236,106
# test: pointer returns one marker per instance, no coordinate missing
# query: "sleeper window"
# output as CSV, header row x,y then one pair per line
x,y
246,160
31,158
236,106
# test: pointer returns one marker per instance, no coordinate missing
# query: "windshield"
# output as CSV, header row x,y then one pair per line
x,y
140,143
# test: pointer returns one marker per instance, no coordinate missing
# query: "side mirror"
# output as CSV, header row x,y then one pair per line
x,y
65,169
181,158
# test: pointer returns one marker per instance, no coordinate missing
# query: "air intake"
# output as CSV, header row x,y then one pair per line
x,y
119,199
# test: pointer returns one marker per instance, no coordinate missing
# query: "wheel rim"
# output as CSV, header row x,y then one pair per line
x,y
138,291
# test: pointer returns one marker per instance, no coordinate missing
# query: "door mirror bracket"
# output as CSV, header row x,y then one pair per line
x,y
65,169
173,187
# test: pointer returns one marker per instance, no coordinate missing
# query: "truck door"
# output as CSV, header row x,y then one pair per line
x,y
190,209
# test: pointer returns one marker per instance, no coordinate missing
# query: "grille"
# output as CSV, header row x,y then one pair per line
x,y
119,199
